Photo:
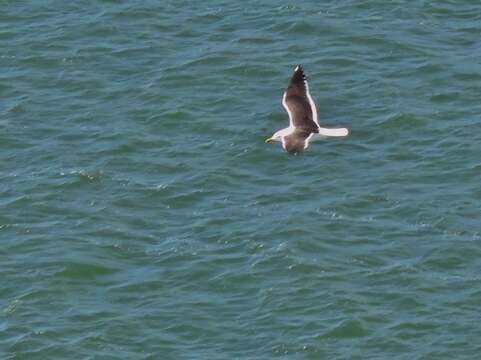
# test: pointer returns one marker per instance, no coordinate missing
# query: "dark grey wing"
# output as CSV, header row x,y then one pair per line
x,y
299,104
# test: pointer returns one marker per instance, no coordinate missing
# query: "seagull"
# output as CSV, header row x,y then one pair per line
x,y
303,119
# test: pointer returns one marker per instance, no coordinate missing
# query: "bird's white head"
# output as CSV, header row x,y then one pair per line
x,y
279,135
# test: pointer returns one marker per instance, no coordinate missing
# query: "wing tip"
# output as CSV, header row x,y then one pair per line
x,y
335,132
299,73
299,68
343,132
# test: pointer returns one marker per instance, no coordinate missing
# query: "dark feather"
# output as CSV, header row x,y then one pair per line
x,y
298,103
296,142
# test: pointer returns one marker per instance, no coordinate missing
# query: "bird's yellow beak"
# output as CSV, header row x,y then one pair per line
x,y
269,140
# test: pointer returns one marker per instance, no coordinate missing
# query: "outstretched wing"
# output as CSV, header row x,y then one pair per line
x,y
299,104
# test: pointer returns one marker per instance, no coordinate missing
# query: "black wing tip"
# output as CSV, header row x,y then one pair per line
x,y
299,72
299,68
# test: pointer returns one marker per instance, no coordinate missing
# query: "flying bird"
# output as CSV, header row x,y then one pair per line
x,y
303,118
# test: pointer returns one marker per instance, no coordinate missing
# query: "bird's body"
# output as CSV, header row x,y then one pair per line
x,y
303,118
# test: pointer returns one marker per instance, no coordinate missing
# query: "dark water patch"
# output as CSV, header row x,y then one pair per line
x,y
84,271
341,61
432,68
186,199
368,40
207,18
188,33
176,117
403,121
131,51
451,10
133,12
209,60
255,41
448,97
475,29
347,329
252,71
84,176
468,76
302,28
40,61
96,29
7,35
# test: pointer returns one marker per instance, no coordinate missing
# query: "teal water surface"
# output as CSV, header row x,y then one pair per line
x,y
143,217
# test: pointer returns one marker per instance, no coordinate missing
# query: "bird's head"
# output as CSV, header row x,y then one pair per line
x,y
272,138
278,135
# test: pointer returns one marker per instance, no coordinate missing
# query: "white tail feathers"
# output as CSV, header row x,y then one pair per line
x,y
340,132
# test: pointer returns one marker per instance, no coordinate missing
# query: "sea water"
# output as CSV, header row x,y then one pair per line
x,y
142,216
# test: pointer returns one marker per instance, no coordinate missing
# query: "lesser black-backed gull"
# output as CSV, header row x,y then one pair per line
x,y
303,119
